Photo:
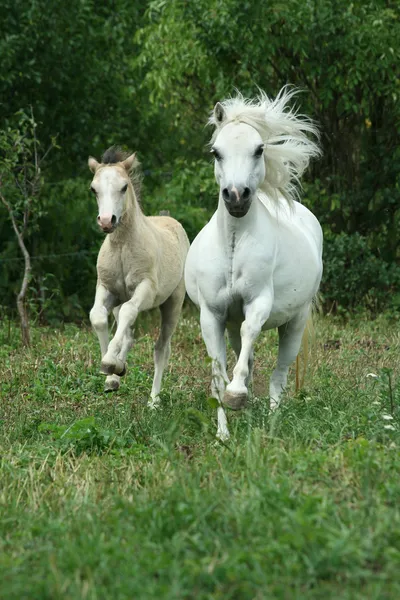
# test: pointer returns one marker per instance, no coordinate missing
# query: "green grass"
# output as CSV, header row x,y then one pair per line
x,y
101,498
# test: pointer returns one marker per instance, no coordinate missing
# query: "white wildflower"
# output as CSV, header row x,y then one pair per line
x,y
372,375
376,403
391,427
387,417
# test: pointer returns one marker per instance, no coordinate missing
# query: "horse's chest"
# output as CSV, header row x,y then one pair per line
x,y
235,281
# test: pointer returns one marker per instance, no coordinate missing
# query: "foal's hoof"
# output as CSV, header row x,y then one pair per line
x,y
234,401
111,384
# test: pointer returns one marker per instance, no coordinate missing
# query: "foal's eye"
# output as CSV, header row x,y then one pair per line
x,y
217,155
258,153
124,189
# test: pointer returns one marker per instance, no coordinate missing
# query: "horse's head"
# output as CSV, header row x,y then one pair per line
x,y
263,144
110,183
239,163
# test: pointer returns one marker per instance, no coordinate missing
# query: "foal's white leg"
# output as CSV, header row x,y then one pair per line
x,y
170,312
103,303
256,314
212,331
113,381
143,299
290,336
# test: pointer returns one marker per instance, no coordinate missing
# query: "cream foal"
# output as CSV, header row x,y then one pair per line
x,y
140,266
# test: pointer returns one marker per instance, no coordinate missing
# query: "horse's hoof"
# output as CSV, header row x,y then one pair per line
x,y
123,372
107,369
234,401
112,385
115,368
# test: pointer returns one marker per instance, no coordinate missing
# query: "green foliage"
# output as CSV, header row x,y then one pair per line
x,y
146,75
341,55
191,195
354,276
84,435
70,63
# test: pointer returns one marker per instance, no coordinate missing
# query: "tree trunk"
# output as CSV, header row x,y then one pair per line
x,y
21,298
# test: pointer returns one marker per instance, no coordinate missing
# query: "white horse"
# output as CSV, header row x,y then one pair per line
x,y
140,266
258,263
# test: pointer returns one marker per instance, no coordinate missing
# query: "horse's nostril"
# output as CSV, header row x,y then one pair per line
x,y
113,220
246,193
225,194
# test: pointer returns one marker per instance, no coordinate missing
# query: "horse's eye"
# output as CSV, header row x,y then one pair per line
x,y
259,151
217,155
124,189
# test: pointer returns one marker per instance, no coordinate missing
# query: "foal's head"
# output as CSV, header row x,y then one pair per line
x,y
110,184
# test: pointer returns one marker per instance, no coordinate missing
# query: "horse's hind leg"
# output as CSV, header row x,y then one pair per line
x,y
170,312
290,336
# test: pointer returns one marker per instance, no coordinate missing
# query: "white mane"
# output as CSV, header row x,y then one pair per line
x,y
288,150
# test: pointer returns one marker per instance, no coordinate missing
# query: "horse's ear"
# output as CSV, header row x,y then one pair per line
x,y
130,162
93,164
219,113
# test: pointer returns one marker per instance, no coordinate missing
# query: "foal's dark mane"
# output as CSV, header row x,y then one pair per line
x,y
114,155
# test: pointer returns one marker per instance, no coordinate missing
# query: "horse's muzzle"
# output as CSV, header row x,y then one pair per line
x,y
238,210
237,201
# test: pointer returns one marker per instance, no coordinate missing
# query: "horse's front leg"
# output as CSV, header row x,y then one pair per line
x,y
212,329
256,314
103,303
115,357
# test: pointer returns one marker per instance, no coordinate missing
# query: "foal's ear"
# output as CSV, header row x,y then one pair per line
x,y
130,162
93,164
219,113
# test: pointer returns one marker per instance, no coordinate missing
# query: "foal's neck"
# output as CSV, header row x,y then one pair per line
x,y
131,220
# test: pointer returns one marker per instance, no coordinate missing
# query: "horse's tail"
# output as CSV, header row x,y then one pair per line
x,y
309,333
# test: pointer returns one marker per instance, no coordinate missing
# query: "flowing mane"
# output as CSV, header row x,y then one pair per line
x,y
288,149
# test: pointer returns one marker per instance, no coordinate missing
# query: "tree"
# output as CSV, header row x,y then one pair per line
x,y
20,183
343,55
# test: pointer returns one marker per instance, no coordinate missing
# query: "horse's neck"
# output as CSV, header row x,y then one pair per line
x,y
231,228
132,221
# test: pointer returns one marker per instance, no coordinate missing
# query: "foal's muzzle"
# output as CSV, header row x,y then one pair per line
x,y
107,222
237,200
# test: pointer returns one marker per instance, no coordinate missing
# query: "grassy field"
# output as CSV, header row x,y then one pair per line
x,y
101,498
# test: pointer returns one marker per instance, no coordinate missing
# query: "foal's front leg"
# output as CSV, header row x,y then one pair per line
x,y
115,357
256,315
212,330
103,303
113,381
